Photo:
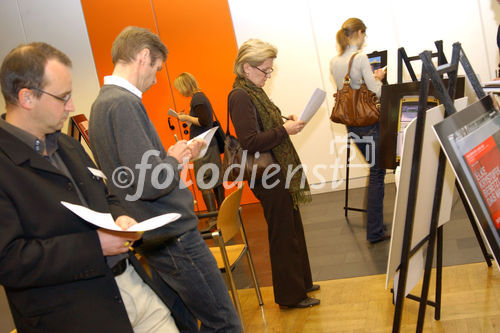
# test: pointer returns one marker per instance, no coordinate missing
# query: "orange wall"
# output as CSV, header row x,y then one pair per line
x,y
200,38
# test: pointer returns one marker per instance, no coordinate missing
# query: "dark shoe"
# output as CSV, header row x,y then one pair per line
x,y
381,239
305,303
313,288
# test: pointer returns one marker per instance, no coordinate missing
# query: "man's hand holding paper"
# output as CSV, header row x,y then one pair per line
x,y
196,146
205,137
180,151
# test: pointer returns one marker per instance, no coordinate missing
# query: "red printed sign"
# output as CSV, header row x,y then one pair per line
x,y
484,162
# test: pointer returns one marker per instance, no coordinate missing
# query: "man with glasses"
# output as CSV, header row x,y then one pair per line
x,y
122,137
60,273
65,99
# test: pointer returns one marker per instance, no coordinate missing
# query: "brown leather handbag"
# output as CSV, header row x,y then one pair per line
x,y
240,161
355,107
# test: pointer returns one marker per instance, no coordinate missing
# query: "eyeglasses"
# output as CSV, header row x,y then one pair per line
x,y
64,99
267,72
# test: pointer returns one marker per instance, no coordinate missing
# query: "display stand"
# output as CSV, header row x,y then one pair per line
x,y
430,74
403,58
441,60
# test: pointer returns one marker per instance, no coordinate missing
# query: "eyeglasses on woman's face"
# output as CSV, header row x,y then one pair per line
x,y
266,72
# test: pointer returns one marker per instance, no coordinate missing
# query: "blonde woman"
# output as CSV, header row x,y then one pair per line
x,y
201,119
259,127
350,40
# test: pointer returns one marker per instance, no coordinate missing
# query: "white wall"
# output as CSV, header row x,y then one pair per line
x,y
61,24
297,71
304,33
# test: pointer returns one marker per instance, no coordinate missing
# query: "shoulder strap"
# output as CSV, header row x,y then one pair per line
x,y
348,74
228,96
215,116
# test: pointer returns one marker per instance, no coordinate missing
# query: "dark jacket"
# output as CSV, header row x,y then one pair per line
x,y
51,263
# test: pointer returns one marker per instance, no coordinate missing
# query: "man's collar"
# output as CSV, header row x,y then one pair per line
x,y
121,82
50,144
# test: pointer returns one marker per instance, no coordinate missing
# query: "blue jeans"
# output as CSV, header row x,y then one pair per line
x,y
376,186
189,267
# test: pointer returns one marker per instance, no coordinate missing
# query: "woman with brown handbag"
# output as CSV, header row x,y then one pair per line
x,y
350,39
259,127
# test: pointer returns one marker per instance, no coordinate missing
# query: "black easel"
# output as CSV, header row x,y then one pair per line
x,y
434,75
403,58
441,60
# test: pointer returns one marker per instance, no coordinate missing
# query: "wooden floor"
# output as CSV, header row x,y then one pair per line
x,y
470,303
348,268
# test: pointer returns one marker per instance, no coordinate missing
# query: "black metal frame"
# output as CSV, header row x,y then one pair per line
x,y
403,58
346,207
432,74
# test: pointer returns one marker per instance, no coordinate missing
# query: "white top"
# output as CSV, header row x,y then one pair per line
x,y
121,82
361,69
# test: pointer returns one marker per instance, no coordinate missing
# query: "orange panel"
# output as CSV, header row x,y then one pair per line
x,y
200,38
105,20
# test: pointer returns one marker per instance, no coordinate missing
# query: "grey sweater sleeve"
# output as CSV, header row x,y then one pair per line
x,y
129,150
140,149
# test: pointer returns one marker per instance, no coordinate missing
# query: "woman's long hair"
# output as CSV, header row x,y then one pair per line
x,y
349,28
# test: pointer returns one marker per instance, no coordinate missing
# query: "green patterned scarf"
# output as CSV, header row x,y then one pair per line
x,y
284,153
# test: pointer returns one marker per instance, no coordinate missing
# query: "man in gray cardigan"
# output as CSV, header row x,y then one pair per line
x,y
147,180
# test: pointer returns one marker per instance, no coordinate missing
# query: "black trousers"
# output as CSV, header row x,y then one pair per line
x,y
287,245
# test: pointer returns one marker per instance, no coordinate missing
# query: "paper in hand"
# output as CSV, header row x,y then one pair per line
x,y
313,105
106,221
173,113
207,136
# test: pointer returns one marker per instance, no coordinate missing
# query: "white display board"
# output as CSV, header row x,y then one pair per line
x,y
425,196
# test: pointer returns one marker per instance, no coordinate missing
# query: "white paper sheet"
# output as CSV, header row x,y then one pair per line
x,y
313,105
106,221
173,113
98,173
207,136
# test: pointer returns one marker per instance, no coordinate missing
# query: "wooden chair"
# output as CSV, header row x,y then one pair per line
x,y
229,251
78,127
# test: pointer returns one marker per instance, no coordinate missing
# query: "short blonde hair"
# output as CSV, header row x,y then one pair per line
x,y
253,52
186,84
